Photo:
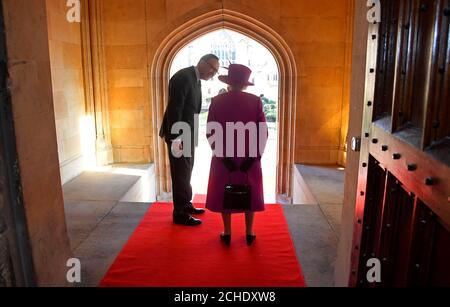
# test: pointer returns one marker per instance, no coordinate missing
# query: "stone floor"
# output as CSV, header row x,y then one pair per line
x,y
104,208
315,222
327,185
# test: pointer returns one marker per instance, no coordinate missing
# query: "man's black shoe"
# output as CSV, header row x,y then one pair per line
x,y
186,220
192,210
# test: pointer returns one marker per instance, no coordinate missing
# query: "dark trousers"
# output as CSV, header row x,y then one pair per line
x,y
181,172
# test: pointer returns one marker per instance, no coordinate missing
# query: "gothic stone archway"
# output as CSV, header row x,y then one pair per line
x,y
196,27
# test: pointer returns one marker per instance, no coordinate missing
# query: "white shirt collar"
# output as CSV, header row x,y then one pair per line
x,y
197,73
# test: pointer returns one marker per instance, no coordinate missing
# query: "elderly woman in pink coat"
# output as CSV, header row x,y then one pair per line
x,y
237,158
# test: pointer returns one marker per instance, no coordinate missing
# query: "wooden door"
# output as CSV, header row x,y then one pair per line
x,y
403,205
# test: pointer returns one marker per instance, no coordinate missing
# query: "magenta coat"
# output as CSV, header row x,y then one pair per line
x,y
236,107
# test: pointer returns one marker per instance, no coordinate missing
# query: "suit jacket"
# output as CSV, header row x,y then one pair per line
x,y
185,100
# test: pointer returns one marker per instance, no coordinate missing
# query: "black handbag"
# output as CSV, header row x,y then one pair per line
x,y
237,196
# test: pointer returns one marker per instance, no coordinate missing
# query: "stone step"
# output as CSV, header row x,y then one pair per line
x,y
118,182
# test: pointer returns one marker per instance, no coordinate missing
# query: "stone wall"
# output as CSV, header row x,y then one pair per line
x,y
124,24
68,88
5,264
318,33
6,270
34,122
6,273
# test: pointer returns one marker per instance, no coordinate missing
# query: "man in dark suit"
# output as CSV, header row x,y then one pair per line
x,y
185,101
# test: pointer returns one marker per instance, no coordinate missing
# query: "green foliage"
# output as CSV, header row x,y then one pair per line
x,y
270,109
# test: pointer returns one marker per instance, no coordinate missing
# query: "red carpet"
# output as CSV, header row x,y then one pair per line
x,y
160,254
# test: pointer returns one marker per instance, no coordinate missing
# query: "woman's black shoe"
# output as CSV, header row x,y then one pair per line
x,y
250,239
225,239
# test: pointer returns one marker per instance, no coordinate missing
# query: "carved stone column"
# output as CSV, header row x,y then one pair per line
x,y
95,78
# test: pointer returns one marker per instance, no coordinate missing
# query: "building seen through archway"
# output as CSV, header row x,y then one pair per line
x,y
234,48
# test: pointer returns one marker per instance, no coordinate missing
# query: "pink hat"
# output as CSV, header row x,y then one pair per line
x,y
237,75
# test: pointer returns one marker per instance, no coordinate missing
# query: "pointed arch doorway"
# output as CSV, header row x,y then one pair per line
x,y
199,26
234,48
